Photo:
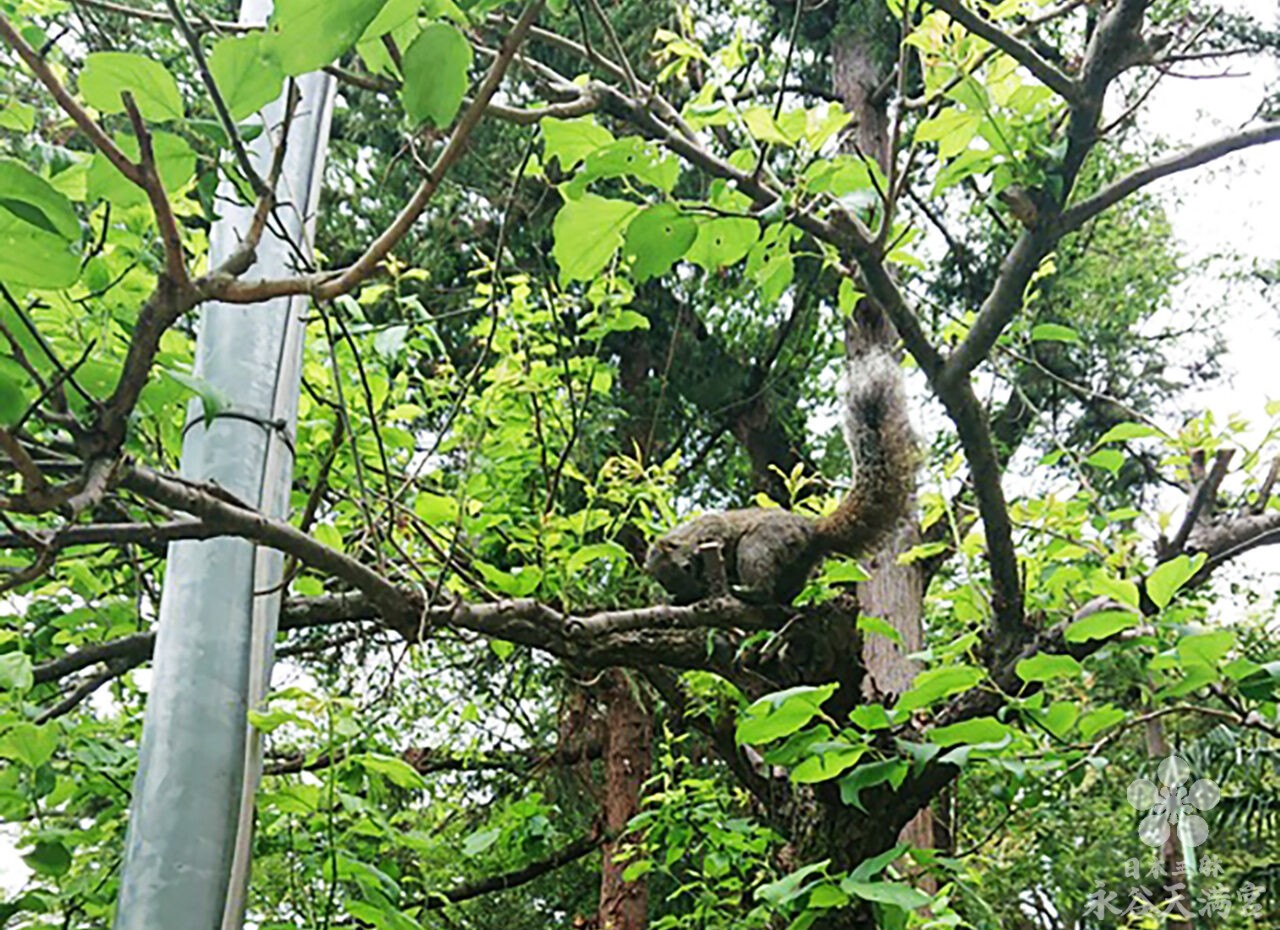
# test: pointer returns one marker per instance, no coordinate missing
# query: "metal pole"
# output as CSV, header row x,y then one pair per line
x,y
190,829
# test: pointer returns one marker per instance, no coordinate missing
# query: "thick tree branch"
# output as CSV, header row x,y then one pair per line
x,y
398,607
175,263
1001,304
1079,214
1200,503
1016,49
1224,541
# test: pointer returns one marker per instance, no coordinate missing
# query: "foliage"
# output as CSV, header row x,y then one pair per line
x,y
621,295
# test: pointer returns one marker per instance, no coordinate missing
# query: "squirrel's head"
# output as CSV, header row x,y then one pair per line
x,y
662,552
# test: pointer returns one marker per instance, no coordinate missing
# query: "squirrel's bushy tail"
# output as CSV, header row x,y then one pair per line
x,y
884,453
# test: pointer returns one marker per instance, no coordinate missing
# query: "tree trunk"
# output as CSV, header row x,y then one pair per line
x,y
628,737
895,592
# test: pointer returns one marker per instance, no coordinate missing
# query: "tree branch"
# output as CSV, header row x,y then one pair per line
x,y
517,877
329,286
1077,215
298,614
397,606
219,104
44,74
1019,51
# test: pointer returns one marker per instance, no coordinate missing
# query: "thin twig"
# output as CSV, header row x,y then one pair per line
x,y
170,235
219,104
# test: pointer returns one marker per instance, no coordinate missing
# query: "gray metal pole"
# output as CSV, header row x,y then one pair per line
x,y
186,856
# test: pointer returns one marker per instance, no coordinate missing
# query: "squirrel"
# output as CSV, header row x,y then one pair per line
x,y
769,553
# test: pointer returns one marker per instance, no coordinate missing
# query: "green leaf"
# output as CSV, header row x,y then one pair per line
x,y
479,841
572,140
870,717
605,550
48,857
587,232
1106,459
1205,649
873,866
827,896
396,13
827,760
305,35
845,571
894,893
435,74
15,672
13,399
1094,722
1263,684
636,869
518,583
380,917
1053,332
1047,667
845,175
781,713
793,886
769,263
175,161
213,400
1101,624
630,157
18,116
248,73
922,551
107,75
34,200
396,771
1123,431
953,129
869,624
761,125
847,297
1059,718
435,509
723,241
1168,578
658,238
32,257
975,731
39,237
939,683
1117,589
29,744
891,771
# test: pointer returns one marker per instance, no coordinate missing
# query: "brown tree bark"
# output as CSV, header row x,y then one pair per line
x,y
895,592
628,744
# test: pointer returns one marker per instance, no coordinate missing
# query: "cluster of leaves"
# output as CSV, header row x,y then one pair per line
x,y
468,424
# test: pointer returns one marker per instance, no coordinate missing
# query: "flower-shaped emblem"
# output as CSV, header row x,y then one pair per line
x,y
1173,803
